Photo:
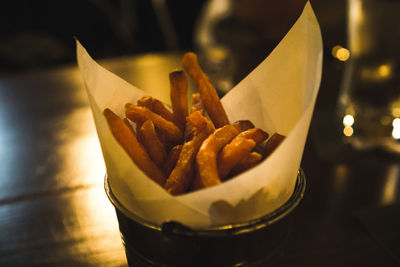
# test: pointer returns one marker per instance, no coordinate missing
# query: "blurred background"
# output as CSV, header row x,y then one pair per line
x,y
40,34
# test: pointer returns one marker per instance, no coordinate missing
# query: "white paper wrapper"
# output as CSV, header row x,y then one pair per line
x,y
278,96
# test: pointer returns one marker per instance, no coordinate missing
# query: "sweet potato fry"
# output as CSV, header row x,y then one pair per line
x,y
243,125
188,149
199,121
139,115
207,91
152,143
233,153
272,143
246,163
157,107
178,95
182,175
138,132
207,156
127,139
255,134
189,132
126,121
197,104
172,158
238,148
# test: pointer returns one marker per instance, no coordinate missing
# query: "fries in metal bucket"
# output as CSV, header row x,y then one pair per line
x,y
184,148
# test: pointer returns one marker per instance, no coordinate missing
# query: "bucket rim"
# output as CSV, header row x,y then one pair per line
x,y
234,228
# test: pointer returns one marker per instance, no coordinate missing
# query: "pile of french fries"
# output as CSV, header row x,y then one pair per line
x,y
186,150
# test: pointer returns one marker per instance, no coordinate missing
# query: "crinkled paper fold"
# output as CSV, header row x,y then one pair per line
x,y
277,96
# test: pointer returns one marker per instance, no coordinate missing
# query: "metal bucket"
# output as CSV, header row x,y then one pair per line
x,y
251,243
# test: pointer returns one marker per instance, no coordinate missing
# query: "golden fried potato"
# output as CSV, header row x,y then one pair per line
x,y
207,156
157,107
140,114
153,145
178,95
181,176
127,139
272,143
232,154
172,158
207,91
248,162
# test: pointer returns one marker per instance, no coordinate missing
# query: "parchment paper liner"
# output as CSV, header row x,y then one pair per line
x,y
277,96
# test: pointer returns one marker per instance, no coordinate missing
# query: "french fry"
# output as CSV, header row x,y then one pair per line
x,y
199,121
127,139
243,125
178,95
182,175
207,156
255,134
157,107
185,151
272,143
233,153
197,104
238,148
189,132
193,121
140,114
246,163
152,143
138,132
126,121
172,158
207,91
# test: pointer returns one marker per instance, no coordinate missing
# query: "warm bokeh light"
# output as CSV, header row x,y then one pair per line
x,y
395,108
390,185
348,120
348,131
396,129
358,40
377,73
396,111
385,70
396,122
340,53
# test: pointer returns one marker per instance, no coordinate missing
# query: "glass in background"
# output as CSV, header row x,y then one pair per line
x,y
369,101
233,36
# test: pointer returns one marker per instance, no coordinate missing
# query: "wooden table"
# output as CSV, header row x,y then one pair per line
x,y
54,212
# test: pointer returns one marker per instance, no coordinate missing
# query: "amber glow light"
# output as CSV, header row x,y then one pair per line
x,y
340,53
348,131
391,183
396,128
385,70
348,120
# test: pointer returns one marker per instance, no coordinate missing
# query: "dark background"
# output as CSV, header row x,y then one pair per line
x,y
37,34
40,34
